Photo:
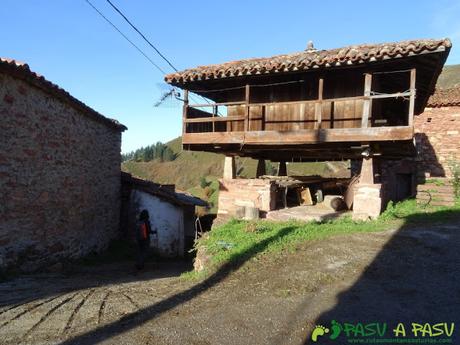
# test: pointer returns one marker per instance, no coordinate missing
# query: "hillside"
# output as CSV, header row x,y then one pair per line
x,y
189,167
450,77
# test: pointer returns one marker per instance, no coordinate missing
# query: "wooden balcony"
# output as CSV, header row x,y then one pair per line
x,y
341,121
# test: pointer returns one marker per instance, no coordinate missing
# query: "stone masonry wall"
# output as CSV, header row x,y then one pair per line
x,y
438,140
59,179
235,193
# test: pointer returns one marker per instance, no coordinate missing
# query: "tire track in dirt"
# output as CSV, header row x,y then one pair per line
x,y
13,307
75,312
129,298
48,313
102,306
35,306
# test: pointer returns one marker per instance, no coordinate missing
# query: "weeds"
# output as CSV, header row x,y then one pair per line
x,y
249,239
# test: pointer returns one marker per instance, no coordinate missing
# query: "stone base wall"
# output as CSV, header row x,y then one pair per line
x,y
59,179
437,133
237,193
367,203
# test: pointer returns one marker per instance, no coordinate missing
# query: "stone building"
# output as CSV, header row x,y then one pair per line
x,y
59,172
438,134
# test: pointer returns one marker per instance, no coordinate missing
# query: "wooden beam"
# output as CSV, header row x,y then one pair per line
x,y
184,112
282,169
260,168
246,98
410,121
214,114
300,137
216,119
319,104
367,101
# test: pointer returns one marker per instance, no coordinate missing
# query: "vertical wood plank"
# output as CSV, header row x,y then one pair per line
x,y
184,112
367,102
410,121
214,114
246,120
319,105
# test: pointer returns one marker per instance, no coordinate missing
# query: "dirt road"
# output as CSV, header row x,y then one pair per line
x,y
408,274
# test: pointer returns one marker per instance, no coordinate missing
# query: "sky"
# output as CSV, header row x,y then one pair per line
x,y
71,45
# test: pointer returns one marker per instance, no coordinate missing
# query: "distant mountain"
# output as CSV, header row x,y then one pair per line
x,y
450,77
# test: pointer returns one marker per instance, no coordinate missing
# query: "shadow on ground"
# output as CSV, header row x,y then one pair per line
x,y
20,290
414,279
146,314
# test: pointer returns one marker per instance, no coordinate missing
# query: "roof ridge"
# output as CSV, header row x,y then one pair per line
x,y
351,54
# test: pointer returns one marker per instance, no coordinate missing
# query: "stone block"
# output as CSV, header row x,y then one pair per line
x,y
367,202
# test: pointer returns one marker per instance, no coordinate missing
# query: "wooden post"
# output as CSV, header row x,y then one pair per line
x,y
214,114
260,168
282,169
319,104
229,168
410,121
367,171
246,120
367,102
184,112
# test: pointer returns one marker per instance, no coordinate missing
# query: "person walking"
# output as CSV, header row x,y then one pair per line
x,y
143,231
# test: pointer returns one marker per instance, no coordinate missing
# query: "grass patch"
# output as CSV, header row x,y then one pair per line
x,y
238,241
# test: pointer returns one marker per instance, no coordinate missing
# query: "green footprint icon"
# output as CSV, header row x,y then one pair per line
x,y
336,330
318,332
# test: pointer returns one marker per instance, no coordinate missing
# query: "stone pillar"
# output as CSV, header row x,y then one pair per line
x,y
229,168
367,203
260,168
367,171
282,170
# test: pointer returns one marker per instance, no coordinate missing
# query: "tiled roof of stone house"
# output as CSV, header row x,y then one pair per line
x,y
22,71
310,59
445,98
164,192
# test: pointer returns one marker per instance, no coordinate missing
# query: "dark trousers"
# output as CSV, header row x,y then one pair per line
x,y
142,253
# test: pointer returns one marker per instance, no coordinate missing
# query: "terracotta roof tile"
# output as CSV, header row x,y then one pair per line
x,y
445,98
164,192
351,55
22,71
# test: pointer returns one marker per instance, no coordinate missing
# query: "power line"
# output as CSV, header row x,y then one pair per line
x,y
142,35
148,42
133,44
126,38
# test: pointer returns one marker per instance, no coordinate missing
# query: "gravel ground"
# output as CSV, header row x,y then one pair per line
x,y
407,274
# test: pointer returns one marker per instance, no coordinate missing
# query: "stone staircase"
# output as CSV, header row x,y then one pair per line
x,y
438,192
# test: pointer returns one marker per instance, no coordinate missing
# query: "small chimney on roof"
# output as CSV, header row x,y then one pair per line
x,y
310,47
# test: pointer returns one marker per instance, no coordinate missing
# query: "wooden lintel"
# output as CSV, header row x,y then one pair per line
x,y
299,137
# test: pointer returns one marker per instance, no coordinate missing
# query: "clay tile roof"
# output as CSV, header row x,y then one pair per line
x,y
164,192
445,98
304,60
22,71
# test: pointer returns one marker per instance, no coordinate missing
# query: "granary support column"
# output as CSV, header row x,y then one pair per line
x,y
260,168
282,170
367,202
229,168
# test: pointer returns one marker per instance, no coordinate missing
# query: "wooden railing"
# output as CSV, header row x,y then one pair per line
x,y
198,121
